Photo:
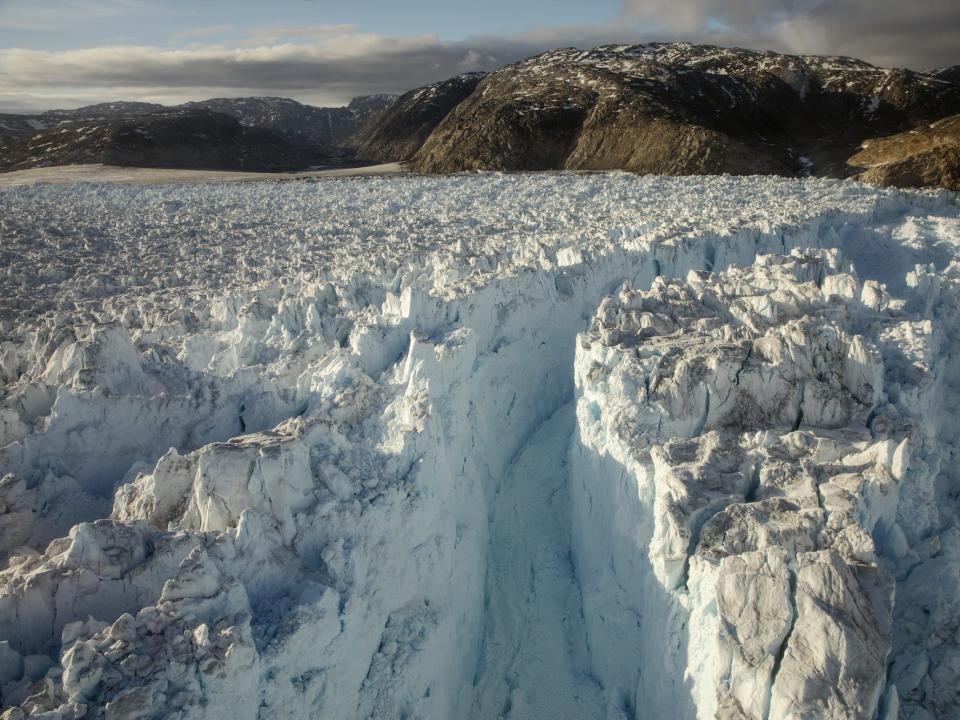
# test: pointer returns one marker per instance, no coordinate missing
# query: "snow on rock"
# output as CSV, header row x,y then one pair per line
x,y
301,449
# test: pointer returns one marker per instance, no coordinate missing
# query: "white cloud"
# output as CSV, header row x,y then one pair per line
x,y
919,34
336,64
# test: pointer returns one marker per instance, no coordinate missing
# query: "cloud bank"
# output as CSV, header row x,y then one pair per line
x,y
918,34
329,64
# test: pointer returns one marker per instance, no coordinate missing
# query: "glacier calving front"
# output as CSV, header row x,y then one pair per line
x,y
307,450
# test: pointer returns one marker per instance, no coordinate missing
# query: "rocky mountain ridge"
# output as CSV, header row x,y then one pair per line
x,y
401,129
328,127
950,74
196,138
16,124
256,133
926,156
677,108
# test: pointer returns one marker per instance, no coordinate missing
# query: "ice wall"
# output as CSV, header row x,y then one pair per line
x,y
753,449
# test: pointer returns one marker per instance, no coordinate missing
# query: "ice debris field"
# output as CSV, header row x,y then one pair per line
x,y
488,446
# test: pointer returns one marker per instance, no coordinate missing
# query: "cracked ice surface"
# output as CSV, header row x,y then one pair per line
x,y
298,449
778,458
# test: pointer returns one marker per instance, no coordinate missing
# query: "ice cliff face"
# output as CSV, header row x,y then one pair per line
x,y
256,467
777,458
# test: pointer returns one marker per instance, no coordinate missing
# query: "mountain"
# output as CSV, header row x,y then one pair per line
x,y
177,138
950,74
921,157
14,125
262,132
372,105
402,128
676,108
660,108
103,111
329,128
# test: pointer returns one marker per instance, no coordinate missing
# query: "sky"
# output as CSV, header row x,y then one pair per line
x,y
68,53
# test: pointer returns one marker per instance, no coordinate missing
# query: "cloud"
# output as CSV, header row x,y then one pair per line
x,y
320,65
919,34
329,64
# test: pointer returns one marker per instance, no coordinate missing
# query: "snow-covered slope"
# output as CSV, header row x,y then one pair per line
x,y
308,449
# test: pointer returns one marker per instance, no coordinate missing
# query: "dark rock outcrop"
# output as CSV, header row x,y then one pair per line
x,y
195,138
326,128
399,131
678,108
926,156
950,74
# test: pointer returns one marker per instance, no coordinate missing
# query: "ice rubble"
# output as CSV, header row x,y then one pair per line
x,y
332,434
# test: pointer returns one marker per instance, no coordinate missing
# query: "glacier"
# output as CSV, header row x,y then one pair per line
x,y
483,446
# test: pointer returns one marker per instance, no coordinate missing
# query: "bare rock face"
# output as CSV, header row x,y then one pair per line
x,y
928,155
950,74
322,127
399,131
680,109
254,133
196,138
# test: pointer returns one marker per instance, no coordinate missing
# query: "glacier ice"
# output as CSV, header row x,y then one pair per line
x,y
748,410
517,446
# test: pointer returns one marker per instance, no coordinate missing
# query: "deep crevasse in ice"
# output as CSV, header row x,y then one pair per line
x,y
330,535
534,659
